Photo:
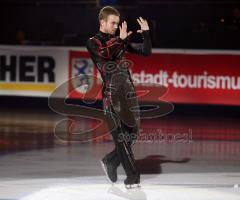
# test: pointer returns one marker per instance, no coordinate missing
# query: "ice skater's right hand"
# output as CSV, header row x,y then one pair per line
x,y
123,31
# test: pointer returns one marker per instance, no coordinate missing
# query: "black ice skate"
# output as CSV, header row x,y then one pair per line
x,y
132,181
110,170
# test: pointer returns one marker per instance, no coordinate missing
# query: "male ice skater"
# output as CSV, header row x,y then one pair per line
x,y
118,91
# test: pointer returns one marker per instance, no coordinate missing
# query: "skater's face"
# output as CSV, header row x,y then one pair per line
x,y
110,24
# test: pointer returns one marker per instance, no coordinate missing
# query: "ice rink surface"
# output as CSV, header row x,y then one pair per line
x,y
69,173
36,166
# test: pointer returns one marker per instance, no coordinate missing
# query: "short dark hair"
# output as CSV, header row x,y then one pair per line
x,y
106,11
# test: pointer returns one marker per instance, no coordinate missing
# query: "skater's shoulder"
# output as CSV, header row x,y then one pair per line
x,y
97,35
91,42
95,39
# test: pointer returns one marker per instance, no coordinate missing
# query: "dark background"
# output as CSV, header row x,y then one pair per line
x,y
195,24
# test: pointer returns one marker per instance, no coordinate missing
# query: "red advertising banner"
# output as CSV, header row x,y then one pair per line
x,y
189,77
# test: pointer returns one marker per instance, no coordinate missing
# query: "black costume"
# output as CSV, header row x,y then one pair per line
x,y
107,51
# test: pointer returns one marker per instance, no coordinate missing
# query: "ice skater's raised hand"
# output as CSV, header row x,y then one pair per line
x,y
123,31
143,24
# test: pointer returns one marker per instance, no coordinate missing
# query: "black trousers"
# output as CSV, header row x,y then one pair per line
x,y
124,111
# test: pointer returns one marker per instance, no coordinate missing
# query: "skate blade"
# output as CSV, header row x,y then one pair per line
x,y
105,171
133,186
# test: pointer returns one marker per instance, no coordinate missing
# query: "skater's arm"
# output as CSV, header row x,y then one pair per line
x,y
144,48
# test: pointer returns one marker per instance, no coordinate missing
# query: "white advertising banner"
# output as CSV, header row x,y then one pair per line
x,y
33,70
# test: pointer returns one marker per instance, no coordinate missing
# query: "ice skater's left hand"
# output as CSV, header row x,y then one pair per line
x,y
143,24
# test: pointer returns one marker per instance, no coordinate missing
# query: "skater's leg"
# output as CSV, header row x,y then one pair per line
x,y
110,163
113,158
124,151
122,139
125,155
128,163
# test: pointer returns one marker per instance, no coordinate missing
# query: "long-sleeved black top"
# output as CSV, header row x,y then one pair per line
x,y
104,47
